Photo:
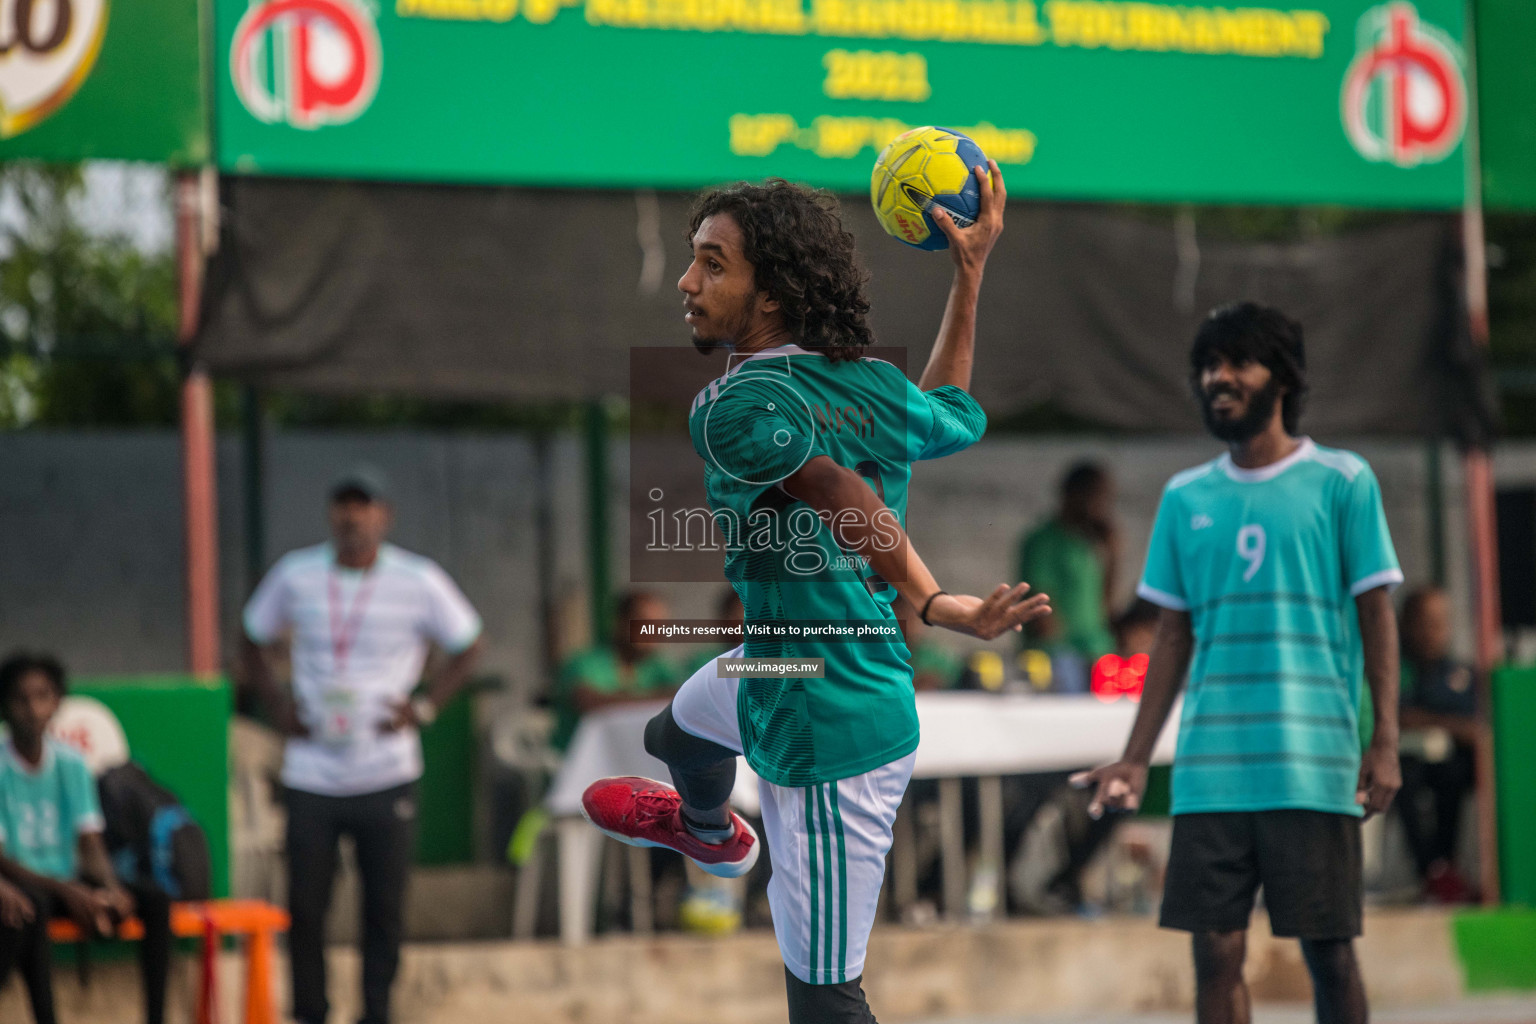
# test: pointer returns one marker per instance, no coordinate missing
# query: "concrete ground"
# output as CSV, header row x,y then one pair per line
x,y
1487,1010
1107,971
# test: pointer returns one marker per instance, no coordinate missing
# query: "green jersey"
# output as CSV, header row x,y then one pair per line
x,y
755,427
1063,563
45,809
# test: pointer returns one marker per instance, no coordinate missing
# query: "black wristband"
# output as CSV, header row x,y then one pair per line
x,y
929,604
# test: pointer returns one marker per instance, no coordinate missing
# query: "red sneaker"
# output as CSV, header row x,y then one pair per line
x,y
644,812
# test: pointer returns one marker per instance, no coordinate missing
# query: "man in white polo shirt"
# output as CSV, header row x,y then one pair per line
x,y
358,616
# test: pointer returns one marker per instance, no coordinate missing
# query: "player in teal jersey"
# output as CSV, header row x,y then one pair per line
x,y
52,845
808,447
1273,567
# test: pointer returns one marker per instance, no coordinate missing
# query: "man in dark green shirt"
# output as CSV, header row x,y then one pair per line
x,y
1072,557
620,672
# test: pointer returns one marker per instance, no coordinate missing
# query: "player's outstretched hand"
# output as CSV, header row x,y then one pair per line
x,y
1381,776
1005,609
970,247
1118,787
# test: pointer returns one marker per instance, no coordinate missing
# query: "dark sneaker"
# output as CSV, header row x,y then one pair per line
x,y
644,812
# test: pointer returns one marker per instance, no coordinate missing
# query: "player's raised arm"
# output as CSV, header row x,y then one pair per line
x,y
953,351
864,524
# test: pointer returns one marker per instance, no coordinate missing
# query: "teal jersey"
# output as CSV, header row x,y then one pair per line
x,y
1268,563
755,427
43,811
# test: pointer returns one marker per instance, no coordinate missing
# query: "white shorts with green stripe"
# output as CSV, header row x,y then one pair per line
x,y
827,843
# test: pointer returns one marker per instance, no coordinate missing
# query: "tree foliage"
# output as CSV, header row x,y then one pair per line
x,y
87,321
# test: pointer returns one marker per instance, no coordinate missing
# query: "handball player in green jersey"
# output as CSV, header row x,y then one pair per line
x,y
808,447
1273,567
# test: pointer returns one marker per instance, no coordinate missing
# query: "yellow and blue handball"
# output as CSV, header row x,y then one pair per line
x,y
921,169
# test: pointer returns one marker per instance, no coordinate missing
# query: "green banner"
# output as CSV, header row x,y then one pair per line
x,y
1347,101
109,79
1506,90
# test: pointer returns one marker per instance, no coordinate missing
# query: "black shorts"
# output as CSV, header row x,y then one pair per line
x,y
1307,861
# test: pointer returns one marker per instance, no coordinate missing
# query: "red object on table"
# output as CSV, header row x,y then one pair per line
x,y
1115,677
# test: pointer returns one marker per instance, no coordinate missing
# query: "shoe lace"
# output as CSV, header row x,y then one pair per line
x,y
650,807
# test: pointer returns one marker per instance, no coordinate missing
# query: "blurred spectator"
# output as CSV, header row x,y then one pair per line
x,y
1136,628
1072,556
727,609
359,617
1440,729
52,850
622,672
1058,836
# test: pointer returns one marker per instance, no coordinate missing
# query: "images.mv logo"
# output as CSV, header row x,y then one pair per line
x,y
308,63
1405,94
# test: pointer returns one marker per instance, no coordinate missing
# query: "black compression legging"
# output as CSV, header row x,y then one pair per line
x,y
703,771
827,1004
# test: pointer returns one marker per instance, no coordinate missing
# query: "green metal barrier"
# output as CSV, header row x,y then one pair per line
x,y
1514,723
178,729
446,805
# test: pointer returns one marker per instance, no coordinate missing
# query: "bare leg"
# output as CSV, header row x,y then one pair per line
x,y
1338,991
1221,994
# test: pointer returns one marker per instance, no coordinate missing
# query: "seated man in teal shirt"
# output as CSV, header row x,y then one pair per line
x,y
51,844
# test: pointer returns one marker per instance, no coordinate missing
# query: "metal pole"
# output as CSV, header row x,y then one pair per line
x,y
546,542
1478,473
253,449
199,497
597,520
1434,496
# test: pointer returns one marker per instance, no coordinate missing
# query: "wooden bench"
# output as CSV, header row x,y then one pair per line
x,y
256,921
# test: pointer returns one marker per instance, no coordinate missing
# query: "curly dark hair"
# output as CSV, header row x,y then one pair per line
x,y
802,258
1246,332
22,663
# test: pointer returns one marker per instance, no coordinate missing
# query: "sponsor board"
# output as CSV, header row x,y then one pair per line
x,y
1329,101
102,78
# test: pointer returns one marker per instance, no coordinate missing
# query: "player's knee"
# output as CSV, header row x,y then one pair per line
x,y
843,1003
1219,957
1330,961
666,741
656,733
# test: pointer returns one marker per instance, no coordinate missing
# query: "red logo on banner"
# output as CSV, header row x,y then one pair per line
x,y
1405,96
306,62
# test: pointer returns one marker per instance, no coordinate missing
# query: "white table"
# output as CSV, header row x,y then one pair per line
x,y
608,742
968,734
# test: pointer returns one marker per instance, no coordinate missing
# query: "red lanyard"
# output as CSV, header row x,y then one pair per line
x,y
344,629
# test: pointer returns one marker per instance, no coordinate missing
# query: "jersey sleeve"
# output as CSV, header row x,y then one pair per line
x,y
1367,554
942,421
757,432
269,611
452,622
1161,581
83,806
